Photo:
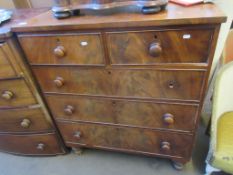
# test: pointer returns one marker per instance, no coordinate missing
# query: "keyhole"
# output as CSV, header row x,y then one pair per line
x,y
58,41
171,84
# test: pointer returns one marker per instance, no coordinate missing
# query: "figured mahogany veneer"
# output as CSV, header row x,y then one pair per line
x,y
120,80
124,112
141,140
64,49
37,144
140,83
23,120
135,47
15,93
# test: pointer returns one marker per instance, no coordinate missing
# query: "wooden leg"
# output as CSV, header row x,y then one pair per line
x,y
177,165
77,150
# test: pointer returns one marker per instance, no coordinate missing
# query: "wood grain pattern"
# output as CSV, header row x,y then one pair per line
x,y
123,112
132,47
78,48
126,17
28,144
146,83
6,70
22,95
125,138
11,121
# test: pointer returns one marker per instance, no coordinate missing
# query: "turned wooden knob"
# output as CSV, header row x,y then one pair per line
x,y
155,49
25,123
69,110
168,118
7,95
59,81
77,134
165,146
40,146
59,51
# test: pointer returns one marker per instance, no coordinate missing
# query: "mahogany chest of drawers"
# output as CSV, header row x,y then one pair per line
x,y
26,127
125,81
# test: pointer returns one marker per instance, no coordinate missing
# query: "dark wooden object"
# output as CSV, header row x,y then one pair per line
x,y
125,81
66,8
26,127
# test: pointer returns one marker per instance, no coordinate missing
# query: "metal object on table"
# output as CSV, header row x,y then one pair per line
x,y
67,8
5,15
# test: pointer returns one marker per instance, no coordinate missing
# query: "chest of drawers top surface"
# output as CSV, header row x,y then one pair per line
x,y
125,17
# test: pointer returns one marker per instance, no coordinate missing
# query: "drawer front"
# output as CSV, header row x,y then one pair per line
x,y
151,47
23,120
141,83
132,139
6,70
123,112
15,93
36,144
66,49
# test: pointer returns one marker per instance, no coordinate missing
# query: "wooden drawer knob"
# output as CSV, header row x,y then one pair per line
x,y
7,95
155,49
168,118
25,123
40,146
59,51
165,146
69,110
59,81
77,134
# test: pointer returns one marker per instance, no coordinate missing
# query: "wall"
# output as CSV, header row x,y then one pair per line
x,y
6,4
226,6
42,3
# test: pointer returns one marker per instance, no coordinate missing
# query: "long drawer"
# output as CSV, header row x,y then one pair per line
x,y
123,139
124,112
140,83
152,47
23,120
36,144
78,49
15,93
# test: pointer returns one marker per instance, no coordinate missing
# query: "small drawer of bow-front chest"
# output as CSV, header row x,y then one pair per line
x,y
15,93
23,120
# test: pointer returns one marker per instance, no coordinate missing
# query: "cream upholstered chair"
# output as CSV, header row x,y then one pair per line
x,y
220,154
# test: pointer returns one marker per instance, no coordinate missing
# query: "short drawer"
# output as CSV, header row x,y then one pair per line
x,y
6,70
23,120
153,47
123,112
123,139
36,144
63,49
14,93
140,83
